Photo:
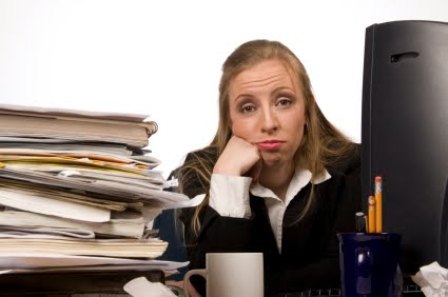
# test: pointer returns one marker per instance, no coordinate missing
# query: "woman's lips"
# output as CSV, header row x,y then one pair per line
x,y
270,145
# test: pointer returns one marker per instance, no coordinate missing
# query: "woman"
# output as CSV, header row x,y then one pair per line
x,y
279,177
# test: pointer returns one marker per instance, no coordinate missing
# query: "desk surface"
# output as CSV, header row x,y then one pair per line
x,y
70,283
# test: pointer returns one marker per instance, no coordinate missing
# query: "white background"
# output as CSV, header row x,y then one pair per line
x,y
163,58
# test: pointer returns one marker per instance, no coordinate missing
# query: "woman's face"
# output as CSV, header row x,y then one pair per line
x,y
267,109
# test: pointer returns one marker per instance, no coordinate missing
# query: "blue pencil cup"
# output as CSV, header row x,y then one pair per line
x,y
369,264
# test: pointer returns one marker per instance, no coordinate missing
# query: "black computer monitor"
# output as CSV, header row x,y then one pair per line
x,y
405,134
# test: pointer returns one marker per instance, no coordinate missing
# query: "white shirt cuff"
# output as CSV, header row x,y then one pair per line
x,y
229,195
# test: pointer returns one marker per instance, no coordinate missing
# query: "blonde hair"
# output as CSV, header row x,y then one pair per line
x,y
321,145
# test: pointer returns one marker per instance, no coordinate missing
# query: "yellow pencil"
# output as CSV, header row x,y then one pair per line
x,y
378,204
371,226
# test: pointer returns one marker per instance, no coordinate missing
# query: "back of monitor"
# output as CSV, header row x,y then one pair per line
x,y
405,134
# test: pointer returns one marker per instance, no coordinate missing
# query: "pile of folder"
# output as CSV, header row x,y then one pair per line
x,y
79,190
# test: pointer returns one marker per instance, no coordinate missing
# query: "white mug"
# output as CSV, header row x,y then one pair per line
x,y
231,275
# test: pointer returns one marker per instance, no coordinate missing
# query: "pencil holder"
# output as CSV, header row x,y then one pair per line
x,y
369,264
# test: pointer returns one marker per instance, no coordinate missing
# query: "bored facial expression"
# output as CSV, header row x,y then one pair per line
x,y
267,109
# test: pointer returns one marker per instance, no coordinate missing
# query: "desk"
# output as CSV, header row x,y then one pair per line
x,y
410,289
72,284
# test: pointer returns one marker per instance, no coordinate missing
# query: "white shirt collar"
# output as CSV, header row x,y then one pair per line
x,y
300,179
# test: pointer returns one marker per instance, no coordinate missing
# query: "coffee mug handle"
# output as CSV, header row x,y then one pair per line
x,y
201,272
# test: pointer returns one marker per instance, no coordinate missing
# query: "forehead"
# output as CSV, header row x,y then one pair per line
x,y
265,73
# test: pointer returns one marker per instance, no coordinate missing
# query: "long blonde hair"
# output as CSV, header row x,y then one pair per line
x,y
321,145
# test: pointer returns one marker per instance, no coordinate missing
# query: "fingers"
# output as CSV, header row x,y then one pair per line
x,y
238,157
180,284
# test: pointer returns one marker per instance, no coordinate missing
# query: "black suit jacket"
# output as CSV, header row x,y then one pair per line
x,y
309,256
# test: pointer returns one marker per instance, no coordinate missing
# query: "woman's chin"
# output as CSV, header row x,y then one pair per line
x,y
273,162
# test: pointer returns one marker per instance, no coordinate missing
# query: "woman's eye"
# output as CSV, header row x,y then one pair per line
x,y
283,102
246,108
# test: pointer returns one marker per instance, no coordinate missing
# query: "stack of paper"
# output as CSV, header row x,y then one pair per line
x,y
79,184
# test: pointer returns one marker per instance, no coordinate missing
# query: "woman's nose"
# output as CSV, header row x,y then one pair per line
x,y
269,121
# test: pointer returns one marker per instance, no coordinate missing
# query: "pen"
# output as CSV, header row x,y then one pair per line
x,y
378,204
360,222
371,226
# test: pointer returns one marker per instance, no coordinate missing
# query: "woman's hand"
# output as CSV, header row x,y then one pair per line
x,y
178,287
239,158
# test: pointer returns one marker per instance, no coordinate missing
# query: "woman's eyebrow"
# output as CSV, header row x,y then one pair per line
x,y
282,89
242,96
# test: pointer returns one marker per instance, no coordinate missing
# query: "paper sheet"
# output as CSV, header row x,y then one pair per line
x,y
32,262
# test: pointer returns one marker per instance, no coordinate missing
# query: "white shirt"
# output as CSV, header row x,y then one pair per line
x,y
235,191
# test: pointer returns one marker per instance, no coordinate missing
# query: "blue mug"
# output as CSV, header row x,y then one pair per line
x,y
369,264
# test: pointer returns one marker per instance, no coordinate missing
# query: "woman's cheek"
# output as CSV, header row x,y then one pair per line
x,y
243,130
